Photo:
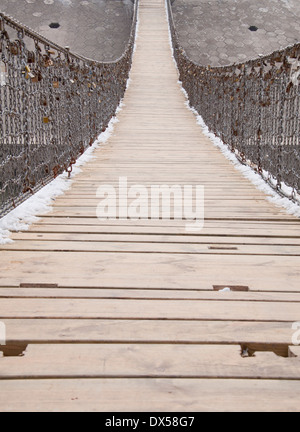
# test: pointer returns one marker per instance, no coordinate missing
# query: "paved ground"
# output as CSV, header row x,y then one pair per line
x,y
216,32
98,29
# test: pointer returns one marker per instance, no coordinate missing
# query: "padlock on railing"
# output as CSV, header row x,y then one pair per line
x,y
30,57
14,48
37,77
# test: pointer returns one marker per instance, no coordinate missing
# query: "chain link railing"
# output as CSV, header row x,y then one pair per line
x,y
53,105
253,107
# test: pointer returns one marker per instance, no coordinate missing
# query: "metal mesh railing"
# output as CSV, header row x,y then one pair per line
x,y
253,107
53,105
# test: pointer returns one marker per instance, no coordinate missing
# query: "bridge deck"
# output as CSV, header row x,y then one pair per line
x,y
131,320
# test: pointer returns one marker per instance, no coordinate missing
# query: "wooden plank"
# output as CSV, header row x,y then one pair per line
x,y
162,395
197,295
146,361
216,222
123,247
274,231
149,309
235,204
146,331
210,212
140,238
149,270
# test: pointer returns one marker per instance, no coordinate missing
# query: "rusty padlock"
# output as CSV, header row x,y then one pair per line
x,y
37,77
30,57
14,48
47,61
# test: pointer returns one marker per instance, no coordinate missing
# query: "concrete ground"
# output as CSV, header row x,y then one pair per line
x,y
97,29
216,32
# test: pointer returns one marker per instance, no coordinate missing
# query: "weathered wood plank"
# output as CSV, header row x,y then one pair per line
x,y
240,212
140,238
197,295
161,395
146,331
151,309
140,270
144,244
149,247
275,231
148,361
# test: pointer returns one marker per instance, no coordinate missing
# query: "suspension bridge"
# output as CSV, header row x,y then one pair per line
x,y
123,315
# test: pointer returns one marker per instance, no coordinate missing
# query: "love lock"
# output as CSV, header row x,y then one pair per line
x,y
30,57
14,48
37,77
28,73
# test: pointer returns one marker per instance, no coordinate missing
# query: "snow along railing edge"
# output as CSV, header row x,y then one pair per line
x,y
53,105
253,107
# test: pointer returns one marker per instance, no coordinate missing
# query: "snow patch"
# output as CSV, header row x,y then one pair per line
x,y
225,290
137,29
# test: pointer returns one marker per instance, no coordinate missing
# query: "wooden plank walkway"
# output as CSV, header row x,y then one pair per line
x,y
122,315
